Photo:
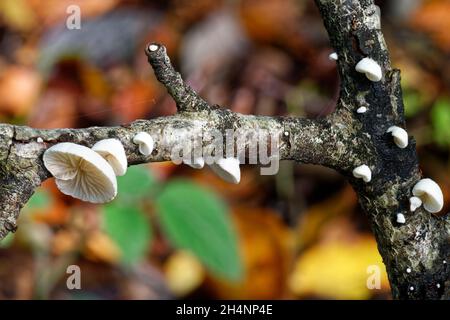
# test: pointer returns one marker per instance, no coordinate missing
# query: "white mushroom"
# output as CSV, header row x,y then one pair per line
x,y
378,12
39,140
228,169
401,218
414,203
333,56
431,195
363,172
400,136
153,47
112,151
361,110
197,163
81,173
370,68
145,142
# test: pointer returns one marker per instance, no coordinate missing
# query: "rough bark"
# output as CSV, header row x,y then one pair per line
x,y
342,140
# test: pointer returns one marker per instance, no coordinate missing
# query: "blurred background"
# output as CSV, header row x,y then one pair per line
x,y
176,232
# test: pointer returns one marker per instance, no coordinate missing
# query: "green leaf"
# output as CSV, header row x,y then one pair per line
x,y
440,115
39,200
413,102
136,184
195,219
129,228
7,241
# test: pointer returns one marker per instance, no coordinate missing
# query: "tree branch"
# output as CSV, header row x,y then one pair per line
x,y
185,98
422,244
303,140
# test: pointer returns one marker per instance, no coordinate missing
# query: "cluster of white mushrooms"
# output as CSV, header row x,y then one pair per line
x,y
89,174
226,168
426,191
83,173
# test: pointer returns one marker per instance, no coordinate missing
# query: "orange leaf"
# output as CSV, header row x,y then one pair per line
x,y
19,87
134,101
433,17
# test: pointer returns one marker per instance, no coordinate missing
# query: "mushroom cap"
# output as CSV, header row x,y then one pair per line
x,y
363,172
370,68
228,169
414,203
153,47
361,110
400,136
197,163
81,172
333,56
112,151
431,195
145,142
401,218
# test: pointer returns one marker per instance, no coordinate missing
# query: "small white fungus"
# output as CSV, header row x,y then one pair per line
x,y
333,56
414,203
196,163
363,172
227,169
400,136
431,195
408,270
361,110
39,140
401,218
153,47
145,142
113,152
370,68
